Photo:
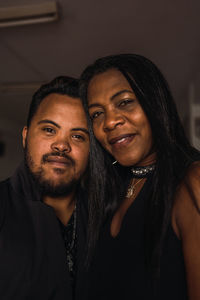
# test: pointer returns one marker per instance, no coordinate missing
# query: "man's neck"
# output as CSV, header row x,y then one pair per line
x,y
63,206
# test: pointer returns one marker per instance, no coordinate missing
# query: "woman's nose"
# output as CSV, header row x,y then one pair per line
x,y
112,120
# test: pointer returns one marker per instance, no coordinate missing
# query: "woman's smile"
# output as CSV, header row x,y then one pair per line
x,y
119,122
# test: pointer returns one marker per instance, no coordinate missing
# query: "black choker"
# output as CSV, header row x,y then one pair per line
x,y
141,172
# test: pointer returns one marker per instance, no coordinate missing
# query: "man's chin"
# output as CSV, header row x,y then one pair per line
x,y
56,180
59,171
53,182
55,185
54,189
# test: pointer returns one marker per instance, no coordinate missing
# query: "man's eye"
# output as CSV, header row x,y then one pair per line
x,y
48,130
78,137
125,102
95,115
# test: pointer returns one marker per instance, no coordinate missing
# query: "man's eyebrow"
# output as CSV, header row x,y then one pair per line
x,y
80,129
49,121
121,92
58,126
112,97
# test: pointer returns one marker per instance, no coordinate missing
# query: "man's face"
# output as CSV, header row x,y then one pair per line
x,y
57,143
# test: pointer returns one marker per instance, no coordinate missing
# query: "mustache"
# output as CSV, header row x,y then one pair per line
x,y
45,157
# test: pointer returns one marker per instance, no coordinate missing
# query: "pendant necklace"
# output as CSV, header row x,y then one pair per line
x,y
132,189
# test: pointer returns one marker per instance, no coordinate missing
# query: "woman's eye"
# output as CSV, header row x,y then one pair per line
x,y
125,102
95,115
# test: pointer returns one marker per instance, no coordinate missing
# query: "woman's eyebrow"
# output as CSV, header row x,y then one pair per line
x,y
94,105
121,92
112,97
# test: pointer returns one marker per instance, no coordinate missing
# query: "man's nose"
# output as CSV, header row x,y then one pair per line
x,y
61,145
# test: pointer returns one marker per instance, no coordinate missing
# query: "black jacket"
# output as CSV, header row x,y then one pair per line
x,y
32,253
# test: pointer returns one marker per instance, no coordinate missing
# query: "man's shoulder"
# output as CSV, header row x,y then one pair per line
x,y
4,196
4,186
5,182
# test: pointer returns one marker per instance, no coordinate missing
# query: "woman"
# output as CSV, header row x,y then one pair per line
x,y
145,185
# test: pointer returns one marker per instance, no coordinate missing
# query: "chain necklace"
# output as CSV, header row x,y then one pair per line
x,y
132,189
70,240
70,249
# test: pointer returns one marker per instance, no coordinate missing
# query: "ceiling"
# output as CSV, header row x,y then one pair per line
x,y
167,32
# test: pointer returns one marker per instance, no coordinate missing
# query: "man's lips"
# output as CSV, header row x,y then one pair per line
x,y
121,139
58,160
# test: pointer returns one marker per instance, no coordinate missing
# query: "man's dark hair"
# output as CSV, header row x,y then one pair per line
x,y
62,85
173,150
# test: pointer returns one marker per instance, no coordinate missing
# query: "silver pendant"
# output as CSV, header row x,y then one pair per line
x,y
130,191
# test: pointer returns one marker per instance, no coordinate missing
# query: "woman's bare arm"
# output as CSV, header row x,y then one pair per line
x,y
186,224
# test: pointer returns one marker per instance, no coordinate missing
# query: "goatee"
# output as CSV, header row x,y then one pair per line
x,y
48,187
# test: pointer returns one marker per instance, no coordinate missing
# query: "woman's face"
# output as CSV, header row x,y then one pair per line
x,y
119,122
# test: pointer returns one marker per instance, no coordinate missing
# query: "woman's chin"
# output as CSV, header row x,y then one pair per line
x,y
124,162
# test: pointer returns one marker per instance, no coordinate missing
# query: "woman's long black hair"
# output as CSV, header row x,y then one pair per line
x,y
173,150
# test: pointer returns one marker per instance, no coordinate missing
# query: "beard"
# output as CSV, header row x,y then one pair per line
x,y
50,187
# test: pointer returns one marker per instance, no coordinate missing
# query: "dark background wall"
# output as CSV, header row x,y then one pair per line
x,y
167,32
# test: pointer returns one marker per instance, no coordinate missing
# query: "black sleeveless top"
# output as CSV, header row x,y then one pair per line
x,y
119,271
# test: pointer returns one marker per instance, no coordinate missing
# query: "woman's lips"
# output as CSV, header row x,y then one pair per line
x,y
121,141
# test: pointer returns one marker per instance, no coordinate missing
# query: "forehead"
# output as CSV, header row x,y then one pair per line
x,y
61,108
110,81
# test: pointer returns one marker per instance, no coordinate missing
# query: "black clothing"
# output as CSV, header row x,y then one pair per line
x,y
70,240
32,251
119,270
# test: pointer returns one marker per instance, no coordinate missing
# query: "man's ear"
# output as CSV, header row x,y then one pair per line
x,y
24,135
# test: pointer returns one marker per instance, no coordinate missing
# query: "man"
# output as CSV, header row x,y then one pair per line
x,y
42,207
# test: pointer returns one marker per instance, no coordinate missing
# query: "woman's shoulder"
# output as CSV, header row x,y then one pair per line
x,y
186,207
186,224
191,183
193,172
